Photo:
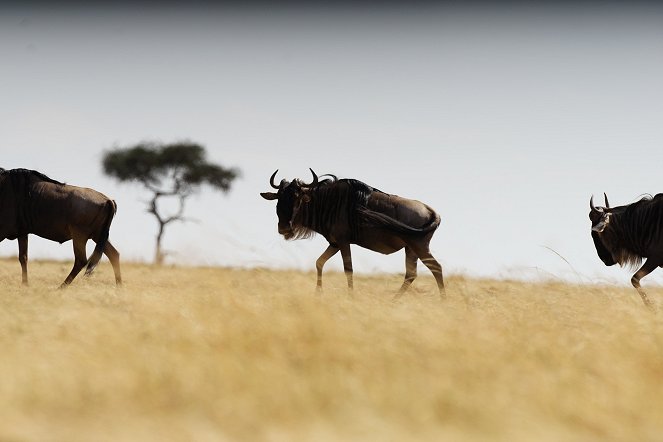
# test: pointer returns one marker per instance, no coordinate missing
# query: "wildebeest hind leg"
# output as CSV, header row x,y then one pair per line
x,y
648,267
410,271
436,269
80,257
92,262
23,257
114,257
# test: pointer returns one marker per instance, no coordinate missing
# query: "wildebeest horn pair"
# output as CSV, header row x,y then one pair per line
x,y
315,179
591,202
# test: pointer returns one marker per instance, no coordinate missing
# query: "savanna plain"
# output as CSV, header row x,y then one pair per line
x,y
212,354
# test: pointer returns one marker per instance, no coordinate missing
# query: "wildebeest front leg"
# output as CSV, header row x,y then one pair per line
x,y
320,263
23,257
648,267
347,264
410,271
80,258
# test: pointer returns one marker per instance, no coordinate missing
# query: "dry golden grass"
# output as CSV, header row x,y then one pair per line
x,y
228,354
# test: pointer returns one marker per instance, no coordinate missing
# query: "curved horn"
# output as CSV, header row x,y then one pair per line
x,y
607,204
315,178
271,180
591,204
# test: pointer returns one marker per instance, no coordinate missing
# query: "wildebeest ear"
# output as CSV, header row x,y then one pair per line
x,y
269,195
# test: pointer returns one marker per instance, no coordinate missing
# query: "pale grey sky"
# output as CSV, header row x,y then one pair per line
x,y
505,120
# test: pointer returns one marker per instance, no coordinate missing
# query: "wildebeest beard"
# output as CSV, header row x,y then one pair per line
x,y
626,258
635,230
331,202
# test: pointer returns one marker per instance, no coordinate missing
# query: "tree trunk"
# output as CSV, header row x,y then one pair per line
x,y
159,256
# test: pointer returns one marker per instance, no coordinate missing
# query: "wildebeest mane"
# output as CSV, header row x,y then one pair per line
x,y
332,201
18,174
634,229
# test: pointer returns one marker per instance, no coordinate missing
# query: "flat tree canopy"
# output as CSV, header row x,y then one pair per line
x,y
167,170
153,164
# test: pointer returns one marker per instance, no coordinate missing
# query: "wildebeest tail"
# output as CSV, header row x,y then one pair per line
x,y
377,219
110,209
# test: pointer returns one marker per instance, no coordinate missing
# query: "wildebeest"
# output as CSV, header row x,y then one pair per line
x,y
347,211
626,235
31,202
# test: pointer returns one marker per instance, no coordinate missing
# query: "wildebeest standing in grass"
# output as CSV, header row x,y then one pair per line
x,y
31,202
347,211
626,235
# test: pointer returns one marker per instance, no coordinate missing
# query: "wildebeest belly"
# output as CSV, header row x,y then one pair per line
x,y
54,232
380,241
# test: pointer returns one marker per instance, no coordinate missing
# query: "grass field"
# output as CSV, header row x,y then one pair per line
x,y
211,354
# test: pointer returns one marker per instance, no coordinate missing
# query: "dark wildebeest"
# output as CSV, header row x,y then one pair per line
x,y
626,235
31,202
347,211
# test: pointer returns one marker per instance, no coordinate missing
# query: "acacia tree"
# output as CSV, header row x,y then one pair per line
x,y
172,171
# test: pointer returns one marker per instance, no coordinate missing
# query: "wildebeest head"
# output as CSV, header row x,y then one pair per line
x,y
600,218
290,196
